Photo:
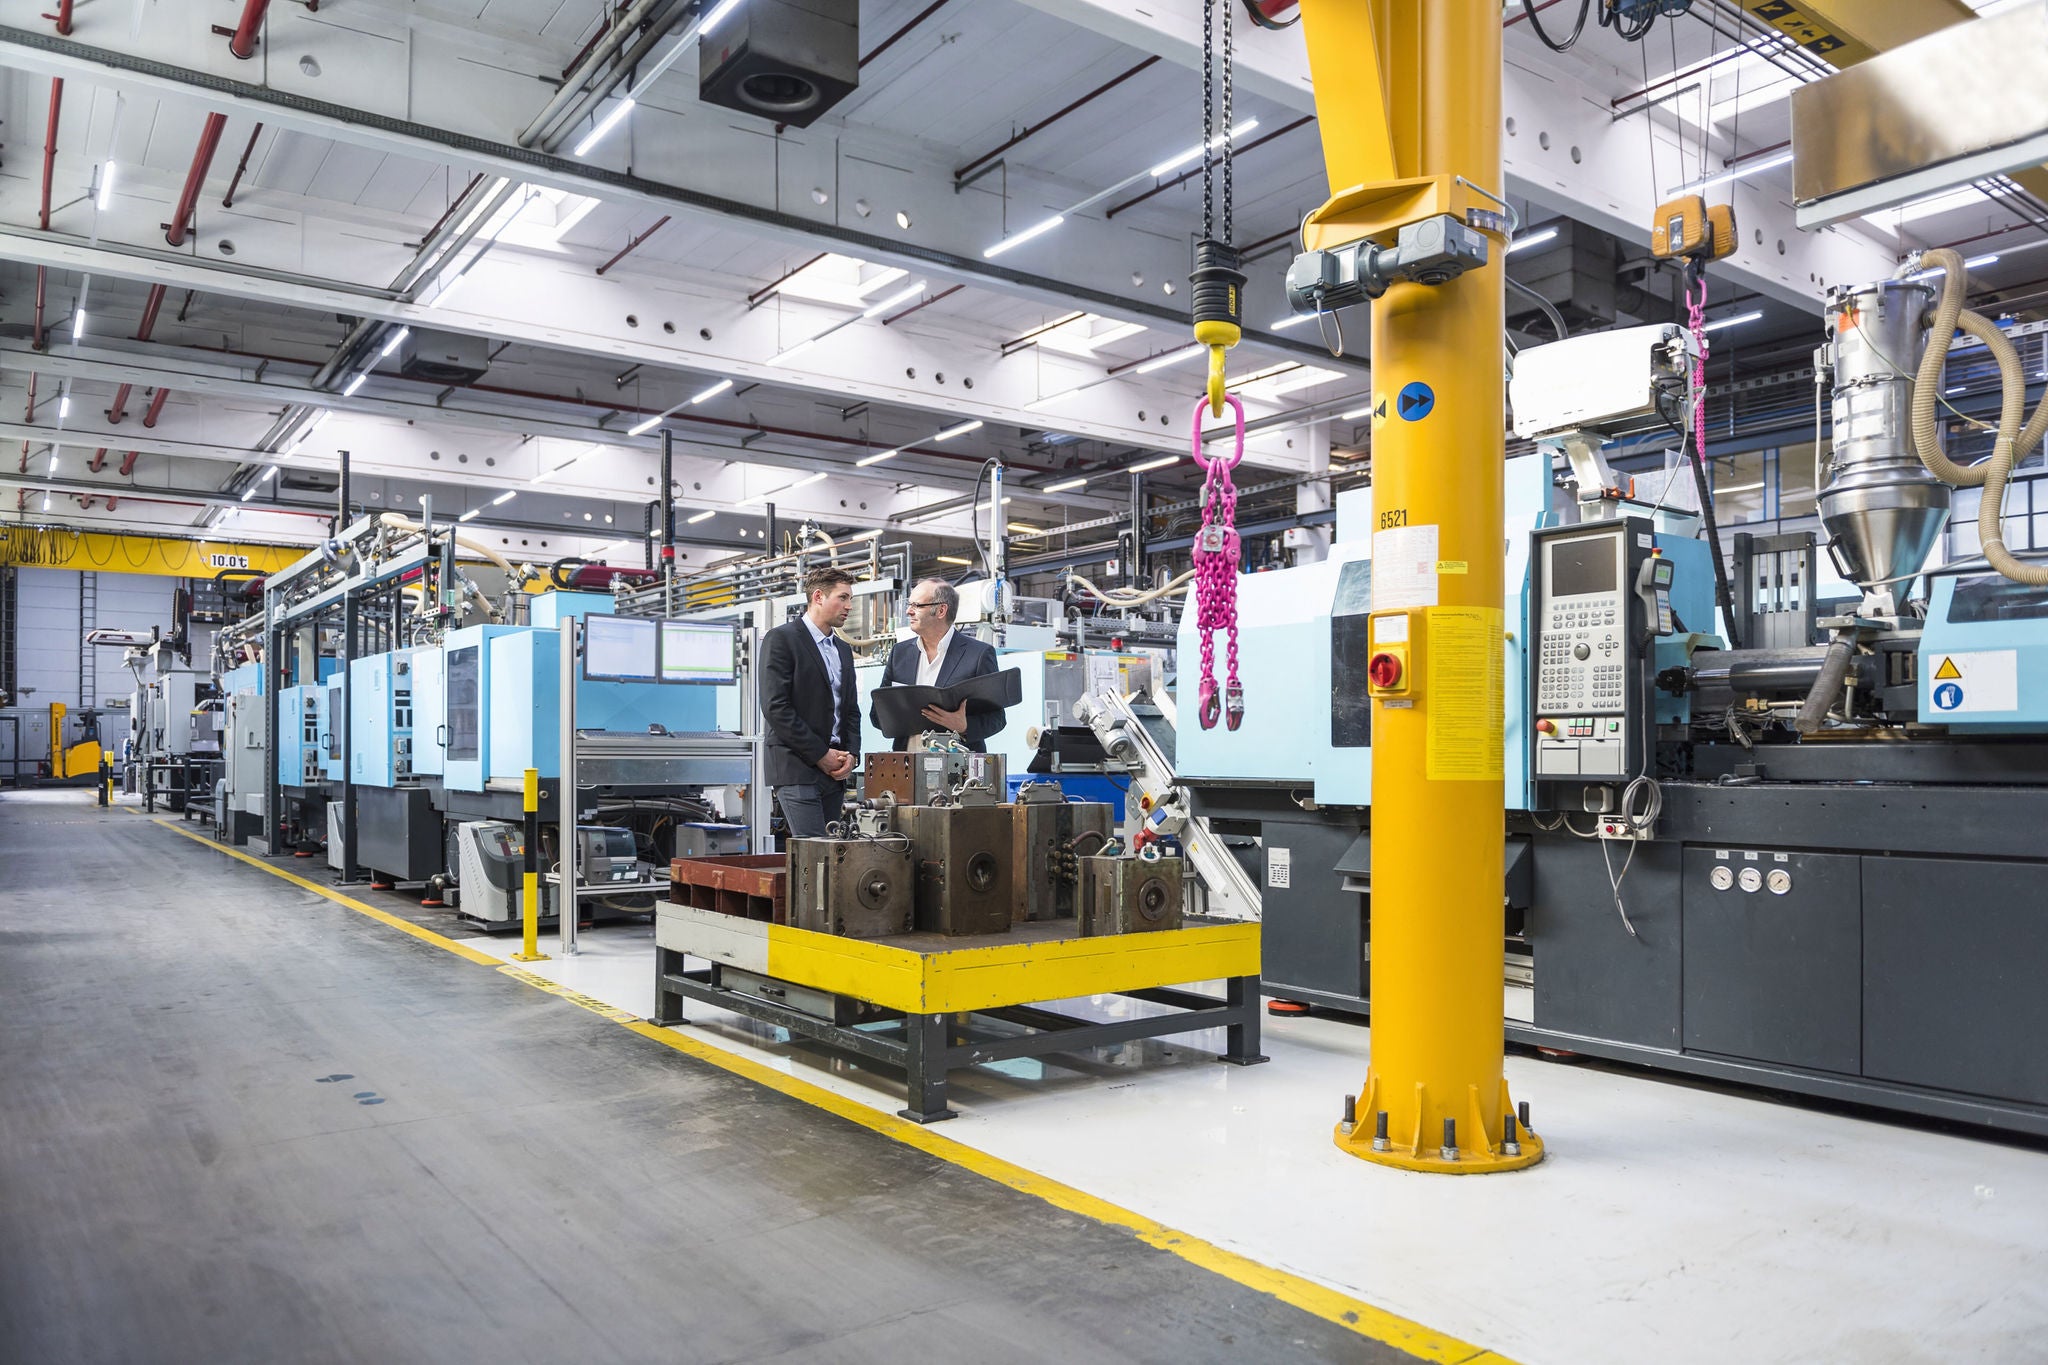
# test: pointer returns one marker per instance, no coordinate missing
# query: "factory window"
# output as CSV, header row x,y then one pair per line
x,y
1795,480
1739,484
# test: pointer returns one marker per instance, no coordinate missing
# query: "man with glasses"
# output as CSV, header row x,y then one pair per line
x,y
938,655
809,706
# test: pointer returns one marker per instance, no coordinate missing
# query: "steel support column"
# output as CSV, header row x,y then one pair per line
x,y
1414,90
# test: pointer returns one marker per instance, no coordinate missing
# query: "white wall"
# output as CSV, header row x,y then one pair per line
x,y
50,626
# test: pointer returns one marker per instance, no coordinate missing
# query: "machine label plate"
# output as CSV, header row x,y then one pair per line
x,y
1280,868
1983,680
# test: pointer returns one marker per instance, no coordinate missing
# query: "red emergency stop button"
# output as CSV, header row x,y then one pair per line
x,y
1546,727
1384,671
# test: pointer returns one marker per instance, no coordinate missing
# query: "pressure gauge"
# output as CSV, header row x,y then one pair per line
x,y
1752,880
1722,877
1780,881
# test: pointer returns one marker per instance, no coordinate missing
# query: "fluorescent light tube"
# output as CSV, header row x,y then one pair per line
x,y
1038,229
504,497
106,188
1162,462
354,384
1296,320
646,426
1195,151
716,389
718,14
604,126
397,340
950,432
794,351
900,296
1533,239
78,324
471,515
1748,168
1160,362
1735,321
864,461
1064,486
953,559
701,516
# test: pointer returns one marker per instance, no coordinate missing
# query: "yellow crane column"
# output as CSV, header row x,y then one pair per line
x,y
1409,95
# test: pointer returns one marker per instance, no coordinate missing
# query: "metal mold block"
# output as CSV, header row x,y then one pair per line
x,y
856,888
1047,882
964,875
1130,895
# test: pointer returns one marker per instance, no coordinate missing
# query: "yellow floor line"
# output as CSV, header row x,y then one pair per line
x,y
1376,1324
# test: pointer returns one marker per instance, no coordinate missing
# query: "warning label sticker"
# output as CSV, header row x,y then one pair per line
x,y
1462,695
1404,568
1978,681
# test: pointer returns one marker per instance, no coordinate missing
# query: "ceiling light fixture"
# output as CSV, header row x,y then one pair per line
x,y
707,395
78,324
106,188
504,497
1064,486
878,457
1175,163
269,473
900,296
1038,229
1735,321
794,351
950,432
397,340
1160,362
1533,239
1740,172
650,424
1146,468
603,126
953,559
249,494
702,516
471,515
355,384
1295,321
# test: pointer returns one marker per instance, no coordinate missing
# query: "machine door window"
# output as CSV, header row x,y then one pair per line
x,y
334,719
463,729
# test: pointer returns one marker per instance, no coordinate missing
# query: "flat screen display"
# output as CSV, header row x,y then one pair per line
x,y
697,652
1582,566
621,649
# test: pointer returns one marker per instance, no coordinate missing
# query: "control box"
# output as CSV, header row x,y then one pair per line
x,y
1587,624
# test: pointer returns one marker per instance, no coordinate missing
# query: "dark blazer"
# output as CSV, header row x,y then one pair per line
x,y
966,657
796,704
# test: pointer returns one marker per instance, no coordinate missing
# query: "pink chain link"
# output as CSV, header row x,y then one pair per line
x,y
1217,558
1696,314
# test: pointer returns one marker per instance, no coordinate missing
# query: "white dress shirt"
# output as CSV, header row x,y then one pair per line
x,y
928,666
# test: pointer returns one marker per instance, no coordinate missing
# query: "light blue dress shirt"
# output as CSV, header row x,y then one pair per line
x,y
828,648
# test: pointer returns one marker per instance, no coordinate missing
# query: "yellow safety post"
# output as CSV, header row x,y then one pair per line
x,y
1410,97
529,909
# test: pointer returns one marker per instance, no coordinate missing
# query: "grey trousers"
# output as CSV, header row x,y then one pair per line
x,y
808,807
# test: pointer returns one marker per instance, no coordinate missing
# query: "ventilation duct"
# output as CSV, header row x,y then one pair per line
x,y
444,357
786,60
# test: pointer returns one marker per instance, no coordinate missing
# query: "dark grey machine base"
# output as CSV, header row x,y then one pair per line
x,y
933,1044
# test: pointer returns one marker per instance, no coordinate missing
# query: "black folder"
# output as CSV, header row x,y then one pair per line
x,y
899,709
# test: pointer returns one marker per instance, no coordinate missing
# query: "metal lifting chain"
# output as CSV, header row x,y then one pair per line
x,y
1217,557
1217,283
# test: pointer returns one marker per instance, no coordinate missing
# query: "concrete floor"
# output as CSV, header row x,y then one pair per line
x,y
243,1123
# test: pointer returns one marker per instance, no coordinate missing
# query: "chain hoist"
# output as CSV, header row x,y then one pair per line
x,y
1216,283
1217,555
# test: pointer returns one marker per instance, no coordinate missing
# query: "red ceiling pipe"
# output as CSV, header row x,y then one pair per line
x,y
195,179
63,18
31,406
110,502
99,460
156,407
149,312
243,44
42,280
50,145
241,166
85,504
128,463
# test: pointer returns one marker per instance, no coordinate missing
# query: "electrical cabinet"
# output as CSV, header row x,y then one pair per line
x,y
380,718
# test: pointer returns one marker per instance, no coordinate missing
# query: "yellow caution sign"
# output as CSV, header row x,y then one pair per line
x,y
1948,671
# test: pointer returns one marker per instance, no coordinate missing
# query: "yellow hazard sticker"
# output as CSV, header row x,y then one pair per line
x,y
1450,566
1947,671
1463,694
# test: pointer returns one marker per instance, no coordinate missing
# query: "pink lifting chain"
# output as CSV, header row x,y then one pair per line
x,y
1216,564
1696,316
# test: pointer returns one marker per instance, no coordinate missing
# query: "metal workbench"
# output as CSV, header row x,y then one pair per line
x,y
934,984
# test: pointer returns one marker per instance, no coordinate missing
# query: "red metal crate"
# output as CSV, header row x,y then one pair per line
x,y
747,885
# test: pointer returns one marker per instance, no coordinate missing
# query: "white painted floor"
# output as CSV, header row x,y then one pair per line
x,y
1668,1223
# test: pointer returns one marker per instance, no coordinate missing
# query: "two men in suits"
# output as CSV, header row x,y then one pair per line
x,y
809,707
938,655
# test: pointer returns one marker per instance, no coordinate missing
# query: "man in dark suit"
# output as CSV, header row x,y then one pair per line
x,y
939,656
809,707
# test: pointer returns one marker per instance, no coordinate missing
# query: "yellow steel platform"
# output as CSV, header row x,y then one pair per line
x,y
934,982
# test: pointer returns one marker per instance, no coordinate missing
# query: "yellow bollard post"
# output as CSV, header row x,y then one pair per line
x,y
1409,93
529,908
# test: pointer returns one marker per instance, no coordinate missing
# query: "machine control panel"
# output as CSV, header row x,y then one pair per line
x,y
1587,684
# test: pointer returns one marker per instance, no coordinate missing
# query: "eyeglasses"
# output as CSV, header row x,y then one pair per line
x,y
922,606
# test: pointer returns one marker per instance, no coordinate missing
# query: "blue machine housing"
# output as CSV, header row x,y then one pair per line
x,y
467,704
1984,657
1289,624
525,688
332,699
301,712
429,713
381,720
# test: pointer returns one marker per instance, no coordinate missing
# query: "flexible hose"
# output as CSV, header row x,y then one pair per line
x,y
400,523
2012,442
1131,597
1834,672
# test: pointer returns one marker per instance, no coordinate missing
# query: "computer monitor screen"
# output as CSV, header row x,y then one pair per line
x,y
621,649
699,652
